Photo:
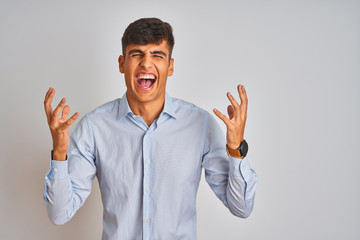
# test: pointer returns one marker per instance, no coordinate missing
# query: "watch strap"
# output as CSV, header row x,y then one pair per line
x,y
233,152
240,152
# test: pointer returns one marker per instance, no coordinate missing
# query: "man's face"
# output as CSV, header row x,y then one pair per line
x,y
146,68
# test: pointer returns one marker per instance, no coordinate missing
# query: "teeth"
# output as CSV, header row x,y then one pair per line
x,y
146,76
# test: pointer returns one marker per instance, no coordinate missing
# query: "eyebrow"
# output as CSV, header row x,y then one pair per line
x,y
135,51
159,53
141,52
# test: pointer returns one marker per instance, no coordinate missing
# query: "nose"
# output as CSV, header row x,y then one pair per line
x,y
146,62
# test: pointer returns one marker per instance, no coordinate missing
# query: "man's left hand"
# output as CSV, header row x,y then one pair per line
x,y
235,124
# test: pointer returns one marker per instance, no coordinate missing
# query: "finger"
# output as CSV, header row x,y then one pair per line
x,y
230,110
244,90
71,120
59,108
242,94
47,103
244,101
222,117
234,103
65,113
47,94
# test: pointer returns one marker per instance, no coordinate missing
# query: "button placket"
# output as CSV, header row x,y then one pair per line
x,y
147,201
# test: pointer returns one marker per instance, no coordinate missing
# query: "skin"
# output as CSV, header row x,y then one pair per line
x,y
59,127
236,121
150,58
147,103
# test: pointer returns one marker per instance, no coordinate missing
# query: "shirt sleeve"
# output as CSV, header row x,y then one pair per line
x,y
231,179
68,183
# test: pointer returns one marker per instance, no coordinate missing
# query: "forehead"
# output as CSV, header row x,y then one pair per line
x,y
150,47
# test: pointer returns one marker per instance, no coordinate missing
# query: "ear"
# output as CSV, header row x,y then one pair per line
x,y
121,61
171,67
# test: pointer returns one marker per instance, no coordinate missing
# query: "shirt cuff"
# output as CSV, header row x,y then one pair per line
x,y
58,169
240,167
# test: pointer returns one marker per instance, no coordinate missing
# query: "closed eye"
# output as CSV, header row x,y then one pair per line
x,y
159,54
137,55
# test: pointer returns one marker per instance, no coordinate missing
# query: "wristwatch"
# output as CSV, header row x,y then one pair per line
x,y
241,151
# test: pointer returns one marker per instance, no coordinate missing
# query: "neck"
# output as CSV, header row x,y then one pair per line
x,y
149,111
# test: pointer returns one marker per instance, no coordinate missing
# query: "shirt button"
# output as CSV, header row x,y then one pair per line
x,y
148,190
148,161
134,116
55,169
243,167
148,220
236,167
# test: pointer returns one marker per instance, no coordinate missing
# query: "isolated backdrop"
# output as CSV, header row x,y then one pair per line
x,y
299,61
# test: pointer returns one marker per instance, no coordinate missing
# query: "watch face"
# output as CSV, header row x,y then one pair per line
x,y
243,148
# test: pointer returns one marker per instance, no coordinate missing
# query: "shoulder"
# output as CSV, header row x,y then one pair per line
x,y
184,107
189,109
106,107
105,110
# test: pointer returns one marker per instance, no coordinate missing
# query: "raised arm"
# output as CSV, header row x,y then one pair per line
x,y
65,189
231,178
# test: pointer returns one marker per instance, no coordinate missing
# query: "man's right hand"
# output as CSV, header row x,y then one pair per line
x,y
59,127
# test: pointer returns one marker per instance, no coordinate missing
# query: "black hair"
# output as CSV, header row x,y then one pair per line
x,y
148,30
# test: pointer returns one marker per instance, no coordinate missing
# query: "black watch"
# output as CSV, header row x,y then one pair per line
x,y
241,151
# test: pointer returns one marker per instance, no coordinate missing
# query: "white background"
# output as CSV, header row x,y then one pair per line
x,y
299,61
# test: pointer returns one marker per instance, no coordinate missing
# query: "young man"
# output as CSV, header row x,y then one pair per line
x,y
147,150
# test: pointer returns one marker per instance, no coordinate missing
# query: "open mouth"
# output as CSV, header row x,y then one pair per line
x,y
145,80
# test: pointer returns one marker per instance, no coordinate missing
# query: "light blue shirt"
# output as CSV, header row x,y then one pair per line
x,y
148,176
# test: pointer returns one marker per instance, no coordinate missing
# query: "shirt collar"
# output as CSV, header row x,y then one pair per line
x,y
169,106
124,107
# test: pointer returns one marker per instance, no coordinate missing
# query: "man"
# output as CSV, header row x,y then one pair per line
x,y
147,150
